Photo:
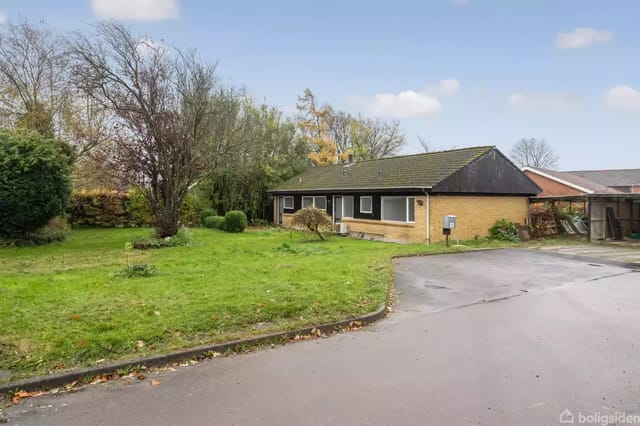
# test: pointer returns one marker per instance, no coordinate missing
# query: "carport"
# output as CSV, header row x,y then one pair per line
x,y
610,216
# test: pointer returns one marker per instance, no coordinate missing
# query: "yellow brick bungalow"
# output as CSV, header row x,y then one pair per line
x,y
405,198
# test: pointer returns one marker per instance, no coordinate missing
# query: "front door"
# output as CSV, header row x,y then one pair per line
x,y
337,209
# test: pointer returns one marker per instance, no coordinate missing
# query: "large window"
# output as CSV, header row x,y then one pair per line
x,y
398,209
317,202
288,203
366,205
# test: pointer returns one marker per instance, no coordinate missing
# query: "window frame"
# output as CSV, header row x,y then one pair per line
x,y
313,201
406,206
370,200
284,202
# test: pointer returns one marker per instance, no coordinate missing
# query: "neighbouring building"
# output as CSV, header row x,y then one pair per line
x,y
405,198
611,198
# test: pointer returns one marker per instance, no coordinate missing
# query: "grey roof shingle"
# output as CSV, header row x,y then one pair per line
x,y
407,171
577,180
621,177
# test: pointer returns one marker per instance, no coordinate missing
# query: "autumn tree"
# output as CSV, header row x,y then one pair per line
x,y
162,103
313,125
534,153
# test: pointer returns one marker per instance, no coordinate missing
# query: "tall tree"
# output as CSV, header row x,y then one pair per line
x,y
162,101
376,138
313,125
32,76
534,153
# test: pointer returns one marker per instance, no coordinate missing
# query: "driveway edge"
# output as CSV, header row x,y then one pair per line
x,y
55,380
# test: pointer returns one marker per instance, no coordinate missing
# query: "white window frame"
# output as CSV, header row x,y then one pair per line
x,y
397,197
313,201
370,200
284,202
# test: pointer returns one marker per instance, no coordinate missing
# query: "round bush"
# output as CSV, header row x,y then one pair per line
x,y
208,212
235,221
35,182
504,230
214,222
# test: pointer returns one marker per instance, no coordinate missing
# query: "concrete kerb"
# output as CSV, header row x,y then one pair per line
x,y
61,379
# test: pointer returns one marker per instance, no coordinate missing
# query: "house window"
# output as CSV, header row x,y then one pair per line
x,y
347,206
317,202
366,205
288,203
398,209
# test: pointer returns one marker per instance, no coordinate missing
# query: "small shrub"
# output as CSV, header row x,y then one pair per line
x,y
214,222
235,221
504,230
182,238
138,270
312,220
205,213
55,230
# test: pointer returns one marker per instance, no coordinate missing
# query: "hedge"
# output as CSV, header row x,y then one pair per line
x,y
109,209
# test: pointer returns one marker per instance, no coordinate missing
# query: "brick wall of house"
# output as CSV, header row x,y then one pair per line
x,y
475,214
551,187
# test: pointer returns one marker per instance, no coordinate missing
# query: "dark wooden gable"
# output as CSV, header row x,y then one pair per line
x,y
492,173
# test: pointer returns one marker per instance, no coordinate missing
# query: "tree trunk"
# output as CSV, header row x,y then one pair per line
x,y
166,222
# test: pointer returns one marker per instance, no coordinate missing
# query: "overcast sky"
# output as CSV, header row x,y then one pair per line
x,y
455,72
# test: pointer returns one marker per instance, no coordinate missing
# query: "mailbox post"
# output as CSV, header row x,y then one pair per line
x,y
449,223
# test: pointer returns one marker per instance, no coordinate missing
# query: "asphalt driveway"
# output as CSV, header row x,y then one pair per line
x,y
494,338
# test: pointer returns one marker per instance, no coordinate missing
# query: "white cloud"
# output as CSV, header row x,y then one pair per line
x,y
444,88
624,98
140,10
3,18
405,104
532,101
582,37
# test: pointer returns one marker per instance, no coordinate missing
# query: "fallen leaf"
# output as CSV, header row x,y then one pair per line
x,y
82,343
155,383
156,313
75,317
140,344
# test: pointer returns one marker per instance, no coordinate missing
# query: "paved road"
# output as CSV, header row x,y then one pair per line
x,y
571,341
622,253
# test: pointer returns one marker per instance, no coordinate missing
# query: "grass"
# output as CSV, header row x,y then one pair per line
x,y
68,304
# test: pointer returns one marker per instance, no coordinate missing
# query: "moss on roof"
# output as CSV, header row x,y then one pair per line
x,y
406,171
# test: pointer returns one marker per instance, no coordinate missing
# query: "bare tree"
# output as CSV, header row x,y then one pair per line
x,y
32,76
376,138
163,106
534,153
424,144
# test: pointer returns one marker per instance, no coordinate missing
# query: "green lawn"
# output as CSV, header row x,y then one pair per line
x,y
64,305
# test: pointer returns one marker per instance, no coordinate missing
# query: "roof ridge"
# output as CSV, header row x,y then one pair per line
x,y
601,170
487,147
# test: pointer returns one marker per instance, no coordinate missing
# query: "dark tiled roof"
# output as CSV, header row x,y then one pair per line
x,y
573,178
407,171
622,177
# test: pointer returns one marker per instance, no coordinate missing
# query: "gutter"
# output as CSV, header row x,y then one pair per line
x,y
428,217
